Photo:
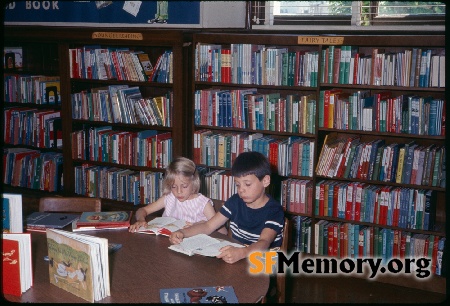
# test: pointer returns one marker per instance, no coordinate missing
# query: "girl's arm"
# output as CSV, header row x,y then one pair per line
x,y
143,212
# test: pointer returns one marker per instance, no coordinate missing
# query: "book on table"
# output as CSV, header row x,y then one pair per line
x,y
12,213
202,244
79,264
17,273
102,220
162,226
201,294
40,221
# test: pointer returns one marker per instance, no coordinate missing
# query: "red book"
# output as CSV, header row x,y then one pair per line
x,y
402,248
330,238
321,197
342,233
303,195
355,69
16,250
295,157
336,237
335,200
434,254
336,61
358,198
361,241
349,201
396,247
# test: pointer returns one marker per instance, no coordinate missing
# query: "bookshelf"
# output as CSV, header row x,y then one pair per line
x,y
154,129
32,129
226,68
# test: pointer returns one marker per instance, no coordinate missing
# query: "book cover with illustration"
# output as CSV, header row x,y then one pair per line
x,y
103,218
199,295
79,264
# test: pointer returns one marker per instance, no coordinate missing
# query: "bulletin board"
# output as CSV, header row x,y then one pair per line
x,y
88,13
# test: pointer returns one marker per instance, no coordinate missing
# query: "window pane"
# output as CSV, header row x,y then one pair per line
x,y
405,8
312,8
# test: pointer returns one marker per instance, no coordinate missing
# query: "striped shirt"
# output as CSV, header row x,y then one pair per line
x,y
189,210
246,223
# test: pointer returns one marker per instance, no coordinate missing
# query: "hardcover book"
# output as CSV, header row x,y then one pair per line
x,y
202,295
202,244
17,275
105,219
12,213
39,221
162,226
79,264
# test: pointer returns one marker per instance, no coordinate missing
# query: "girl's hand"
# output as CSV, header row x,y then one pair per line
x,y
134,227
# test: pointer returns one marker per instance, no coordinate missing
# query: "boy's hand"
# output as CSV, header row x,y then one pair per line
x,y
231,254
176,237
134,227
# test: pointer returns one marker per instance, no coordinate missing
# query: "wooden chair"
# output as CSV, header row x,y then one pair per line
x,y
70,204
277,293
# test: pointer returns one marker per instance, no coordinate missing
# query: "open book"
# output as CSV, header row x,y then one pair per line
x,y
79,264
202,244
162,226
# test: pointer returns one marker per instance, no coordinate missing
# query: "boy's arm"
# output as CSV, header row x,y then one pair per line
x,y
231,254
199,228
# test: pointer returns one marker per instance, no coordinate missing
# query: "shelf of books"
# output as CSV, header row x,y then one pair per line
x,y
354,127
32,129
126,115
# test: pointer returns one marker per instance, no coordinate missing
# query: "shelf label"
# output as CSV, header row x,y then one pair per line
x,y
117,35
320,40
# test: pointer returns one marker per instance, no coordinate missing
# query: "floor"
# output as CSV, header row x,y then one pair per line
x,y
352,290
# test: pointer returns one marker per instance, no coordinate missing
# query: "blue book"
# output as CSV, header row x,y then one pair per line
x,y
43,220
200,294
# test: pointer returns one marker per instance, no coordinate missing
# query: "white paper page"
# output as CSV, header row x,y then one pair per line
x,y
214,249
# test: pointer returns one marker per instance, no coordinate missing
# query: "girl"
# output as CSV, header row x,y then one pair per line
x,y
180,199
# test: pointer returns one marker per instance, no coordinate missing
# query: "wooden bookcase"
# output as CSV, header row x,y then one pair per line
x,y
33,59
47,50
209,129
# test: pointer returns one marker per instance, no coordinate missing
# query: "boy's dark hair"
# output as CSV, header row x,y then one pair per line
x,y
248,163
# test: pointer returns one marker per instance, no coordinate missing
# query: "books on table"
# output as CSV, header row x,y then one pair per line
x,y
203,295
202,244
79,264
12,213
102,220
40,221
162,226
17,273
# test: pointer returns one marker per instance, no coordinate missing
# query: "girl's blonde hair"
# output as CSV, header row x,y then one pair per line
x,y
181,166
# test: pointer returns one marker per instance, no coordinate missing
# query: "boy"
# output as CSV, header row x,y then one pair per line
x,y
256,219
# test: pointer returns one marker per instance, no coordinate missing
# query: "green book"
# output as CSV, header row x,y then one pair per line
x,y
330,64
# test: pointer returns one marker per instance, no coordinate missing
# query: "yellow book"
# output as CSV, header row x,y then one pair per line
x,y
401,159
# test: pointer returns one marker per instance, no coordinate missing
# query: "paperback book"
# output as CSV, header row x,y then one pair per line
x,y
17,273
162,226
202,244
79,264
199,295
40,221
12,213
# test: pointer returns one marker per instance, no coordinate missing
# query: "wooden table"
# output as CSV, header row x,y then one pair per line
x,y
142,267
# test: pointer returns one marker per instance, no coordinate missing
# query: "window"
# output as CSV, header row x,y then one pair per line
x,y
351,13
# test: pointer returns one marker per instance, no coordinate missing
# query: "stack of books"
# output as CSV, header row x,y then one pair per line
x,y
40,221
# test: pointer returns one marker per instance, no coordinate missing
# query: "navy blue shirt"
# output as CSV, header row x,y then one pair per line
x,y
246,223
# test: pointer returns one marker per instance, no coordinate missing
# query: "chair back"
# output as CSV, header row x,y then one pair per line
x,y
70,204
281,278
